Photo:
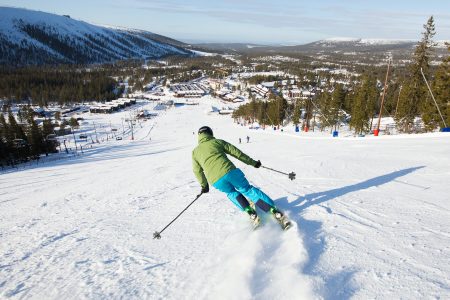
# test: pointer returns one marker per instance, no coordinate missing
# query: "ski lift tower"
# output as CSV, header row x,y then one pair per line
x,y
377,131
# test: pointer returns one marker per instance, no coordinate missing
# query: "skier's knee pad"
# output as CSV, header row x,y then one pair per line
x,y
263,205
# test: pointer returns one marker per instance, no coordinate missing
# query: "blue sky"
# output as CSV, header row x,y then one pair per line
x,y
259,21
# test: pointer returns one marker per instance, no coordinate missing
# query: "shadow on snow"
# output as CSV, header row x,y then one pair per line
x,y
338,285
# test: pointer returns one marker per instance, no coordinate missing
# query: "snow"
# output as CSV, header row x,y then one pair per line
x,y
442,44
64,25
371,218
384,41
341,39
202,53
368,41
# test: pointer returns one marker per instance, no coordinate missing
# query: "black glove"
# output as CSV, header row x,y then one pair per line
x,y
205,189
258,164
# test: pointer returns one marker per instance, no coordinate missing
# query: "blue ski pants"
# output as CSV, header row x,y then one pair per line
x,y
234,184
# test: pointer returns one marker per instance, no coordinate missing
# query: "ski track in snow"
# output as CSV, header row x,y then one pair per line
x,y
370,220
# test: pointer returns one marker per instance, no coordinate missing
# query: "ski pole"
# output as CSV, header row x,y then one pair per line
x,y
290,175
157,234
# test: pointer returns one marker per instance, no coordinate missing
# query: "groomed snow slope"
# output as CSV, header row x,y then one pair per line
x,y
371,218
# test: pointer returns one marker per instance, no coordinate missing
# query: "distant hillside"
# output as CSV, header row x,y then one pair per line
x,y
334,45
228,47
355,45
32,38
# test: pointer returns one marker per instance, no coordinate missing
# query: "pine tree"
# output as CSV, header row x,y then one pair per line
x,y
35,138
338,100
364,102
15,131
47,128
442,88
3,152
326,110
5,142
29,115
390,101
272,112
414,94
20,115
282,106
254,108
4,130
73,122
264,108
297,112
309,109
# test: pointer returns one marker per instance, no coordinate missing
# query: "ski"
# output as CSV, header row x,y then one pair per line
x,y
286,225
256,222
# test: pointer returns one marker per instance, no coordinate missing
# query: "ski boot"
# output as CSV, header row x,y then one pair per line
x,y
252,205
281,219
256,221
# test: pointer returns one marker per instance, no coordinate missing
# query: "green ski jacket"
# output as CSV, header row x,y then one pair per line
x,y
210,161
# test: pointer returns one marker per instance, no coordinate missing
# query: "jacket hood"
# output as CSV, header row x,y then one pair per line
x,y
203,137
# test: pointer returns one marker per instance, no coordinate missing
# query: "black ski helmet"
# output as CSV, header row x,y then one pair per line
x,y
205,129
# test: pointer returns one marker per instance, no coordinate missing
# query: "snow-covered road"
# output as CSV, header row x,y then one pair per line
x,y
371,217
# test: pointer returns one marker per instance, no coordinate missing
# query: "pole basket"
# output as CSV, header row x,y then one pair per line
x,y
156,235
291,176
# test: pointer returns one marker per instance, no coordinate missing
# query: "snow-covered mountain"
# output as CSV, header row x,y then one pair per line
x,y
32,37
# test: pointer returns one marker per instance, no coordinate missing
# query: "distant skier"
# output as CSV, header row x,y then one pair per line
x,y
248,139
240,140
211,165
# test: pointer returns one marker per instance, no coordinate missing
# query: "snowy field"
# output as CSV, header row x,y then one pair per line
x,y
371,218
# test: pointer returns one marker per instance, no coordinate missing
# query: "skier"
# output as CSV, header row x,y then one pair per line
x,y
240,140
212,166
248,139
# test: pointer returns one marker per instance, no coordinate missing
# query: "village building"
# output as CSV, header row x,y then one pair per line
x,y
194,90
260,90
113,106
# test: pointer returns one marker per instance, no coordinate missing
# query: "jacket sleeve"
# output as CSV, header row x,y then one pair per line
x,y
198,172
235,152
